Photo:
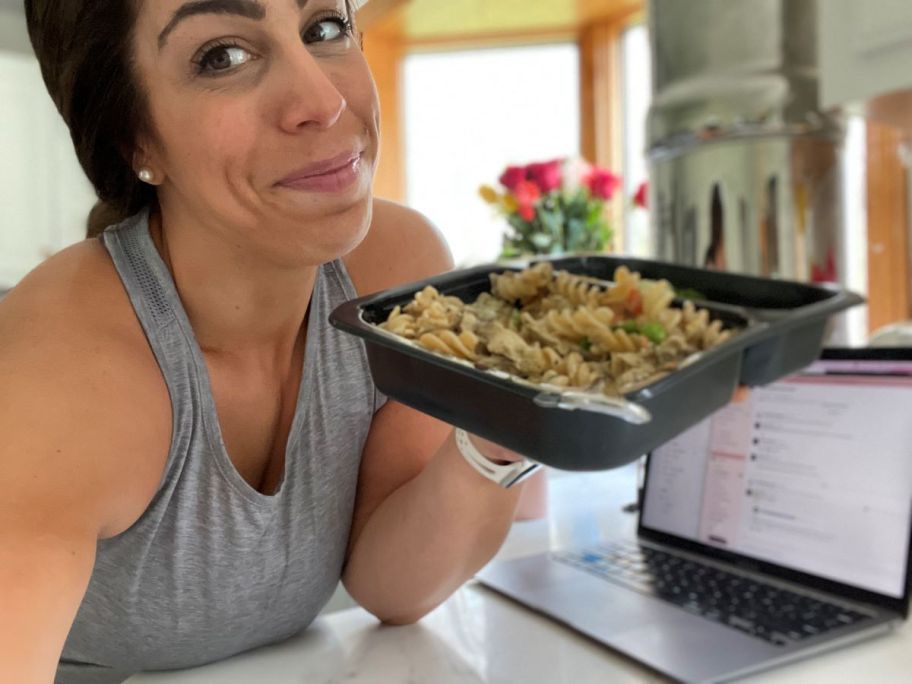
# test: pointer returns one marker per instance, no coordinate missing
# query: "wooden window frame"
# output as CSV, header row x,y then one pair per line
x,y
888,243
601,93
599,40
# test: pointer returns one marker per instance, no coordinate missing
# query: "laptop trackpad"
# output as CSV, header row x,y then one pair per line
x,y
647,629
589,604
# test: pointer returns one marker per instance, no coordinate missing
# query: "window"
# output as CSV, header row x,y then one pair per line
x,y
469,114
636,94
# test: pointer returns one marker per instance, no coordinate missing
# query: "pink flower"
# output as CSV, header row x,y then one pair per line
x,y
512,177
577,173
527,194
641,198
547,175
603,184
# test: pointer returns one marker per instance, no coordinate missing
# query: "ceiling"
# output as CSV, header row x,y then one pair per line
x,y
435,20
432,20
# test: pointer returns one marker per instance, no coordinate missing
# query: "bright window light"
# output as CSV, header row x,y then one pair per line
x,y
636,93
469,114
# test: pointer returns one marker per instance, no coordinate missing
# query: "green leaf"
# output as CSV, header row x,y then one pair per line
x,y
606,235
541,241
576,234
553,227
585,344
576,209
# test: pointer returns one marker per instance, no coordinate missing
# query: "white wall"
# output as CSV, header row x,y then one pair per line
x,y
865,49
44,195
13,34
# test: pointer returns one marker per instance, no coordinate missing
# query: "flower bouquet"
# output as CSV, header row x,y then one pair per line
x,y
554,207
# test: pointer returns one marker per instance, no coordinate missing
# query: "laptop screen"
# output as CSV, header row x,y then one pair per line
x,y
812,473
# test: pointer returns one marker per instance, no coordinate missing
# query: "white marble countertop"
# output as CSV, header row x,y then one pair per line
x,y
480,637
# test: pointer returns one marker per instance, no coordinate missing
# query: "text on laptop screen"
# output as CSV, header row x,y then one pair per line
x,y
813,473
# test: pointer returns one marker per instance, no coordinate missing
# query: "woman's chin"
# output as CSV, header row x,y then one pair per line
x,y
309,241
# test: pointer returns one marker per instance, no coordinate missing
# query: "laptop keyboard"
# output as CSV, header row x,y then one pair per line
x,y
766,611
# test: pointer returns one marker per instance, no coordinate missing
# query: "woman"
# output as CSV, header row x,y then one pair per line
x,y
191,457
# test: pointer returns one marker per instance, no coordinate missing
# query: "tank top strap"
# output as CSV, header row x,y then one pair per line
x,y
156,303
340,288
144,275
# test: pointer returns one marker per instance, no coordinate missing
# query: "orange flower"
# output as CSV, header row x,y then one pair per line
x,y
489,194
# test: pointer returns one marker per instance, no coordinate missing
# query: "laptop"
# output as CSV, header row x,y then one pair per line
x,y
778,528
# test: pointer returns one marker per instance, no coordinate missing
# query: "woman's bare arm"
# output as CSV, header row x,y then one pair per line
x,y
425,520
81,451
52,511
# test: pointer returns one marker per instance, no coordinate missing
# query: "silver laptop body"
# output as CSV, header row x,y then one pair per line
x,y
803,494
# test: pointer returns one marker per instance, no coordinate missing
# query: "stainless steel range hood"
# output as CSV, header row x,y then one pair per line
x,y
746,170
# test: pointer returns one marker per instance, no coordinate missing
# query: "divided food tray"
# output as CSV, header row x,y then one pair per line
x,y
783,323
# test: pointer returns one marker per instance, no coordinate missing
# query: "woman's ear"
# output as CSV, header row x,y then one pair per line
x,y
145,165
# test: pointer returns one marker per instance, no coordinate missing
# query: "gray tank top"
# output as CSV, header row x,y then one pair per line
x,y
213,567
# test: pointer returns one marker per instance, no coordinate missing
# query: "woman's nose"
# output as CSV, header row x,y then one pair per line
x,y
310,100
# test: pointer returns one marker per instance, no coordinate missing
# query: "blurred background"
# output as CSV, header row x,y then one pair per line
x,y
772,133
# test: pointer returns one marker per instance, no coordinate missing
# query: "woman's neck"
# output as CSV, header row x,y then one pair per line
x,y
237,303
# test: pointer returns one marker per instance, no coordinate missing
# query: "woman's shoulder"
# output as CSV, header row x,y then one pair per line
x,y
73,298
80,380
401,246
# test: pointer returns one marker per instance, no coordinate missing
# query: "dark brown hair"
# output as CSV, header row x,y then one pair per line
x,y
85,49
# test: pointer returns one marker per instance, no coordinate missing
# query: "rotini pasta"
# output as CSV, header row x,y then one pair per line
x,y
563,330
448,342
522,286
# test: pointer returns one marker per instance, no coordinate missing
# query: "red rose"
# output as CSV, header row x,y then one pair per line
x,y
603,184
641,198
527,212
512,177
825,274
547,175
527,194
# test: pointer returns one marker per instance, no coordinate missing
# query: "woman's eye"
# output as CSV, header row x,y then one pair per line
x,y
326,31
223,58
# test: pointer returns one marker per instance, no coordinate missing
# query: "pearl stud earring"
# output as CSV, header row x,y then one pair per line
x,y
145,175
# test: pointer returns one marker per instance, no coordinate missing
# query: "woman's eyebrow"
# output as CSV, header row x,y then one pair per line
x,y
251,9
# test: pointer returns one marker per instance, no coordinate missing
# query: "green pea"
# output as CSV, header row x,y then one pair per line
x,y
654,332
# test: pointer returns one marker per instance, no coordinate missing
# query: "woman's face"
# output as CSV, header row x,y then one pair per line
x,y
265,122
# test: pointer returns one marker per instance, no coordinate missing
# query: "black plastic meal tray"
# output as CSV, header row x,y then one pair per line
x,y
783,329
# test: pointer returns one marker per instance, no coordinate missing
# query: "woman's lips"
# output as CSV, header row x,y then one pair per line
x,y
331,175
